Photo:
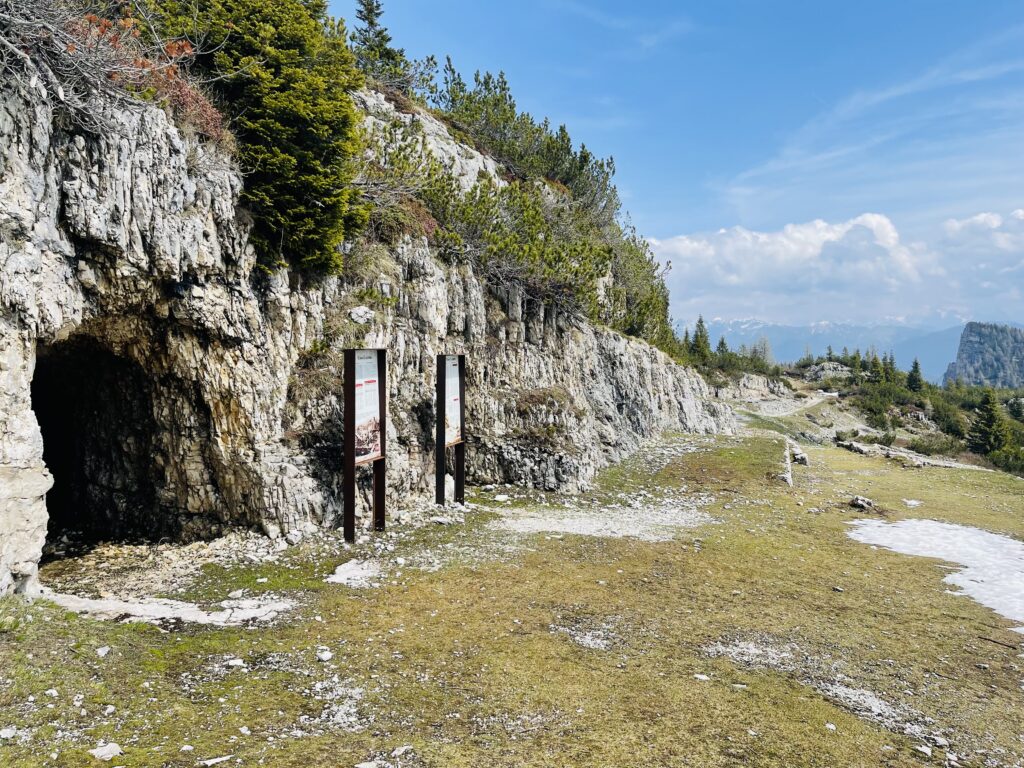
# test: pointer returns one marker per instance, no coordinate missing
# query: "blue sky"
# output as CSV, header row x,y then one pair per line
x,y
795,161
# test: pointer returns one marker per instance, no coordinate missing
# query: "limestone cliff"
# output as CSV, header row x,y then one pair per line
x,y
180,389
989,356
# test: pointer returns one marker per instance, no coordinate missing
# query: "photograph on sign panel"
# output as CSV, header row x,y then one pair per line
x,y
368,420
452,401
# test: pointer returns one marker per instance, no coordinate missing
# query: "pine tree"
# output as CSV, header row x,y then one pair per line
x,y
700,346
284,74
915,381
1016,408
762,350
889,367
389,66
372,38
723,348
877,370
990,431
829,354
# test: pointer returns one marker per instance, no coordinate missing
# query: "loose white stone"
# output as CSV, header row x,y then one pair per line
x,y
102,651
356,573
107,752
216,760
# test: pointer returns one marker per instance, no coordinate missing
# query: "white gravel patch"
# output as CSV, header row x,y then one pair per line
x,y
597,639
869,705
604,527
154,610
782,658
341,704
356,573
650,521
993,571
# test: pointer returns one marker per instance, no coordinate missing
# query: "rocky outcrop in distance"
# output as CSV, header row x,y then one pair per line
x,y
990,355
153,381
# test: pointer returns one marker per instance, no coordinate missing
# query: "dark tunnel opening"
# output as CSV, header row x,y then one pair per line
x,y
96,416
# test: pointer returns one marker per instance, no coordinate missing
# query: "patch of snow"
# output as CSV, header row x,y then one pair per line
x,y
356,573
912,503
993,571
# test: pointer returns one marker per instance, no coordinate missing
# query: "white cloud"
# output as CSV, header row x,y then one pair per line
x,y
865,248
979,221
860,269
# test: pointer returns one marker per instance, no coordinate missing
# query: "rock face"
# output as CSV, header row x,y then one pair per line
x,y
989,355
163,386
753,387
827,370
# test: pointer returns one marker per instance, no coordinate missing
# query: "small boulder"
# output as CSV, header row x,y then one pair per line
x,y
107,752
862,502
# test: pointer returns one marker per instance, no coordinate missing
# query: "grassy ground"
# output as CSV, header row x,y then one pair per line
x,y
463,664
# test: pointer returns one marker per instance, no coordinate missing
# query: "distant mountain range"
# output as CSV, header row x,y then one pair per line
x,y
990,355
936,349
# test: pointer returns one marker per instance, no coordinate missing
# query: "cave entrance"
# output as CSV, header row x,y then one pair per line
x,y
96,416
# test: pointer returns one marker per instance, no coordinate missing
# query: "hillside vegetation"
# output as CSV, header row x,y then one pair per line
x,y
986,422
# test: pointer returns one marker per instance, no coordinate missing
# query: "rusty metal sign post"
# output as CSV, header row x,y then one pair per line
x,y
451,424
366,429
